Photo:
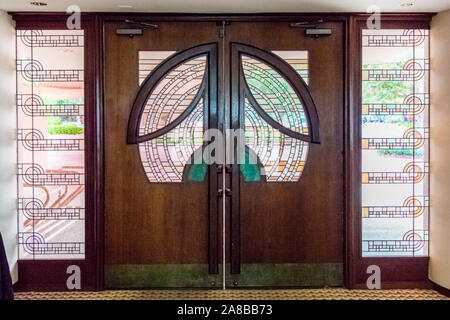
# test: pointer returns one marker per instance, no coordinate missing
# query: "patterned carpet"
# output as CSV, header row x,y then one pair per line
x,y
303,294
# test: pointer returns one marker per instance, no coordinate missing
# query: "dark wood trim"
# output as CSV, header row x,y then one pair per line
x,y
50,275
236,108
99,155
49,21
211,120
440,289
348,165
352,160
37,16
395,272
94,151
414,269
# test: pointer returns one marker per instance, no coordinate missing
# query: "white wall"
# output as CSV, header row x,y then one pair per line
x,y
8,155
440,151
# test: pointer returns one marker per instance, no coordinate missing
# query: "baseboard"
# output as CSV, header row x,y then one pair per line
x,y
399,285
441,289
23,287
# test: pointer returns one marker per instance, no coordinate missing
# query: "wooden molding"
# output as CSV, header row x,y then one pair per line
x,y
440,289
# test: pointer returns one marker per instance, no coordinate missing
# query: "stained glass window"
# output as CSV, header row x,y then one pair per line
x,y
395,138
164,158
283,157
50,134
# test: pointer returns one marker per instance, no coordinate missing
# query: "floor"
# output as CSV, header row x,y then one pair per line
x,y
303,294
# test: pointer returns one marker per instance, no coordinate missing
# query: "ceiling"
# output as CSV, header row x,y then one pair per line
x,y
229,6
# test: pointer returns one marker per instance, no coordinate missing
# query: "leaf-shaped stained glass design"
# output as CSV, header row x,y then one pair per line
x,y
282,157
165,157
274,94
172,95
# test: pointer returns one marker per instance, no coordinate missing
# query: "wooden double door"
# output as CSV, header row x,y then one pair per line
x,y
223,155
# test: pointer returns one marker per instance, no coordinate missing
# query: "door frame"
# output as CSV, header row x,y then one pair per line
x,y
53,276
399,272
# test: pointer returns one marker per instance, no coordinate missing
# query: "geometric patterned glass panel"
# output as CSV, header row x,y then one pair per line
x,y
395,142
149,60
50,135
298,59
283,157
165,157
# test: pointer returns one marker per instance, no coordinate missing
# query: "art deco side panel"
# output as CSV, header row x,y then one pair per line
x,y
50,134
395,137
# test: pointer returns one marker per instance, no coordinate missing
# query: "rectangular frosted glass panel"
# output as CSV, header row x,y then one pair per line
x,y
395,139
148,60
50,134
298,59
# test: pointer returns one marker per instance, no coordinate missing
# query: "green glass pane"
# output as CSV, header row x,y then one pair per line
x,y
197,172
252,168
250,172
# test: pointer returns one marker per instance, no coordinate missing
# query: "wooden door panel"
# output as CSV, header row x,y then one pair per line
x,y
147,223
295,229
